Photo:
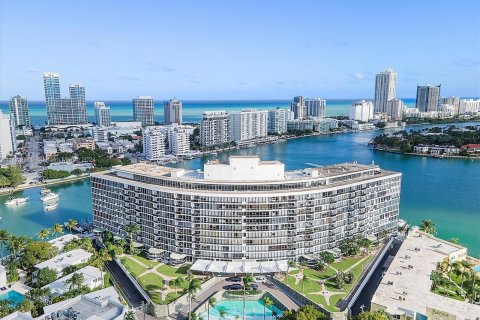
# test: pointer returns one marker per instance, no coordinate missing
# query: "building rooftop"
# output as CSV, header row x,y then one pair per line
x,y
90,275
405,288
66,259
61,241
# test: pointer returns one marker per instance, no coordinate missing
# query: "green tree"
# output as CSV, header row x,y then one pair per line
x,y
17,245
71,223
4,238
211,303
75,280
99,259
36,252
223,313
291,264
246,282
307,312
5,308
304,280
25,306
428,226
267,303
12,273
45,276
193,287
327,257
372,315
339,280
130,315
57,229
43,234
131,229
178,282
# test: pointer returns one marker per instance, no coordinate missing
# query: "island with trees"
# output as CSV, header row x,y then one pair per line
x,y
449,141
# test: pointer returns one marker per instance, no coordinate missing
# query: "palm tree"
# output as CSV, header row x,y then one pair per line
x,y
57,228
465,267
131,229
75,280
72,223
223,313
17,244
304,279
44,233
177,283
267,302
99,260
211,303
428,226
193,286
291,264
246,280
4,237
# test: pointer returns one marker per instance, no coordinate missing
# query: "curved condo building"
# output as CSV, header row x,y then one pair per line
x,y
246,209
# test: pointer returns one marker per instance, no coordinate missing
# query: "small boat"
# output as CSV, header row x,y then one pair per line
x,y
45,191
16,201
49,197
50,207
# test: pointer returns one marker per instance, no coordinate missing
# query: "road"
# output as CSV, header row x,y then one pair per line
x,y
34,154
129,291
365,298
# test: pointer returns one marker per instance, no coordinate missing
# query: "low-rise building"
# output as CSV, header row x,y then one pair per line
x,y
92,278
70,166
87,143
471,148
300,125
153,144
49,148
405,290
61,241
324,125
70,258
437,150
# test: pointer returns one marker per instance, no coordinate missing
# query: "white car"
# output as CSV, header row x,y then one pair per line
x,y
261,279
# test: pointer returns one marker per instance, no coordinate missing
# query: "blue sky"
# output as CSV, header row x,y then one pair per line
x,y
238,50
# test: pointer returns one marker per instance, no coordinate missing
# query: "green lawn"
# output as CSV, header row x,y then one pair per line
x,y
184,284
150,263
320,275
173,272
346,263
134,268
151,281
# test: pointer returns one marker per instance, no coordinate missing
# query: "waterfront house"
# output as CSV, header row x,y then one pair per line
x,y
471,148
92,278
70,258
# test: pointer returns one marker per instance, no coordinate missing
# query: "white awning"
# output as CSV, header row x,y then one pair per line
x,y
239,267
155,250
177,256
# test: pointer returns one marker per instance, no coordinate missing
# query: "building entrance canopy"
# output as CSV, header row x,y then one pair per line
x,y
240,267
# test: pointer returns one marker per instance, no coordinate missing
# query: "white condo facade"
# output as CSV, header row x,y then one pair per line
x,y
7,135
248,124
153,143
298,108
180,140
395,109
469,106
214,128
361,110
19,109
143,110
103,117
277,120
385,89
246,210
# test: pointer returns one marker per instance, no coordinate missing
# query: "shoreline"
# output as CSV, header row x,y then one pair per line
x,y
44,184
425,155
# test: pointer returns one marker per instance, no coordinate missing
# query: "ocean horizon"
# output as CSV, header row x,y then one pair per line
x,y
122,110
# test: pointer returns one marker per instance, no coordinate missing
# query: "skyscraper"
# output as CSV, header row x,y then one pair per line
x,y
153,144
361,110
277,120
315,107
395,109
214,128
19,110
297,106
143,110
102,115
427,98
248,124
385,89
172,111
7,135
51,84
64,111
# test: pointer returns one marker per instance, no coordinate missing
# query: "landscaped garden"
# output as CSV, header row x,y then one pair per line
x,y
331,279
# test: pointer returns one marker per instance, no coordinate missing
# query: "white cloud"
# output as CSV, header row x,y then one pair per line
x,y
359,76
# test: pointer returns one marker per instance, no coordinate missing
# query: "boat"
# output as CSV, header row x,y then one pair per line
x,y
16,201
45,191
50,207
49,197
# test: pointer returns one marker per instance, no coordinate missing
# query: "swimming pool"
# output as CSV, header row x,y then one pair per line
x,y
477,268
13,297
234,309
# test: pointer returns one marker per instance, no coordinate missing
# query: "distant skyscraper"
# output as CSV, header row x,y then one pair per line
x,y
427,98
172,111
64,111
395,109
7,135
277,120
143,110
102,115
51,84
362,110
248,124
214,128
19,110
315,107
385,89
297,106
452,101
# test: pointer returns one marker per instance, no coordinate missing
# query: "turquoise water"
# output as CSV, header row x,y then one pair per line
x,y
443,190
192,110
233,308
13,297
477,268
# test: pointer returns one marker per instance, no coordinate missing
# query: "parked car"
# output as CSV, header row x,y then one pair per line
x,y
235,286
234,279
253,286
261,279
